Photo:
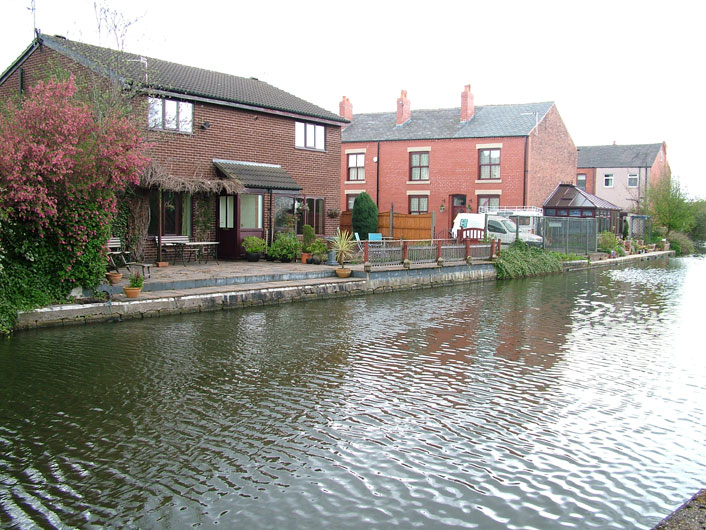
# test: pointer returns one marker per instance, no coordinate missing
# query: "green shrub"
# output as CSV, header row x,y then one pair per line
x,y
680,243
308,237
285,247
365,215
319,248
607,241
254,245
520,261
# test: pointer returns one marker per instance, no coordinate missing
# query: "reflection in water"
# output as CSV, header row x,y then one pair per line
x,y
562,401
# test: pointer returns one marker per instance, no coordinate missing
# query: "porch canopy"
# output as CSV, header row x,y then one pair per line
x,y
257,175
158,177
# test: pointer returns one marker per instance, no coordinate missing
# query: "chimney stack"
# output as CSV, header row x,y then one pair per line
x,y
345,108
467,106
404,109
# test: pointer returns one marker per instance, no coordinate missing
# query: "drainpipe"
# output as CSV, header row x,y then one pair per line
x,y
160,225
377,182
524,183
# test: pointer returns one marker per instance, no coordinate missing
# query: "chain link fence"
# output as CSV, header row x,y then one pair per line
x,y
570,235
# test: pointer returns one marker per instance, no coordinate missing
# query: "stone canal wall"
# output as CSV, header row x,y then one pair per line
x,y
195,300
268,293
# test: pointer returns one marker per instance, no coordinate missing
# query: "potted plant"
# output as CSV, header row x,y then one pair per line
x,y
285,247
319,250
308,238
343,245
114,277
254,247
135,285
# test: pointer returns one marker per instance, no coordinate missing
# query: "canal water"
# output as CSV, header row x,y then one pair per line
x,y
568,401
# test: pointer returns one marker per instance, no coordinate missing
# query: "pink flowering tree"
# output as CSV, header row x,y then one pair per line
x,y
60,171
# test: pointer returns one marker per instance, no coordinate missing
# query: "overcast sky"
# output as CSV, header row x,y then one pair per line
x,y
623,71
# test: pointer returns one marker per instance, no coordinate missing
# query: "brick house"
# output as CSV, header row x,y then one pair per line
x,y
621,174
230,156
458,159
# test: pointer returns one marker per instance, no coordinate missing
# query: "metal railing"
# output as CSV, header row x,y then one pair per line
x,y
393,253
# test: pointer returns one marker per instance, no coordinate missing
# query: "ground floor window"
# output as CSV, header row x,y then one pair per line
x,y
488,202
295,212
350,201
251,211
175,213
418,204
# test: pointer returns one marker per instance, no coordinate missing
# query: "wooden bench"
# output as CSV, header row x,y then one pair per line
x,y
119,257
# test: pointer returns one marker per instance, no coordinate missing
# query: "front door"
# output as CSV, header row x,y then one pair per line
x,y
227,231
458,205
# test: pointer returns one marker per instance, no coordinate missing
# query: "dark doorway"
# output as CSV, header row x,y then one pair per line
x,y
458,205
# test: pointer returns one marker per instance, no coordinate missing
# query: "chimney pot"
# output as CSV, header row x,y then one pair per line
x,y
468,108
404,108
345,109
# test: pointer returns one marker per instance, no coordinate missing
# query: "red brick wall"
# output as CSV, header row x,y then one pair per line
x,y
590,173
660,167
234,134
453,170
552,158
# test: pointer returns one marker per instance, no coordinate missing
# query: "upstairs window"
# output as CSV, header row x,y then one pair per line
x,y
632,180
356,167
489,163
608,180
309,136
419,166
581,181
170,115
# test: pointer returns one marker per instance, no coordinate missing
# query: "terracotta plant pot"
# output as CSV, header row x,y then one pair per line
x,y
132,292
305,257
343,273
162,264
113,277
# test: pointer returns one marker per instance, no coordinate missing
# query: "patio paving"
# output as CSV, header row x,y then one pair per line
x,y
198,278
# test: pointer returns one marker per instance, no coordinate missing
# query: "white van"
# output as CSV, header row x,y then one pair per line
x,y
496,226
526,217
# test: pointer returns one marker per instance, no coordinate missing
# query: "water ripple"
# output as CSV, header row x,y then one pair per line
x,y
559,402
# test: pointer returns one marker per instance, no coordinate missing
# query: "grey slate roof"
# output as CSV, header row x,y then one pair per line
x,y
641,155
570,196
487,122
185,80
254,175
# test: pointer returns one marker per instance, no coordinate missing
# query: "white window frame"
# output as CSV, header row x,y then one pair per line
x,y
158,119
637,180
578,181
309,136
606,177
356,162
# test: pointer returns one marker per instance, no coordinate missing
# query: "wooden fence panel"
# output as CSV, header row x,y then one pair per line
x,y
406,226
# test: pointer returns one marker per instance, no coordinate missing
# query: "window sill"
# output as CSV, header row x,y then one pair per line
x,y
489,181
418,181
170,131
310,149
355,182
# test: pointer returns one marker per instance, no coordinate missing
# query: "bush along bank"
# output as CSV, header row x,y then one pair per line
x,y
521,261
